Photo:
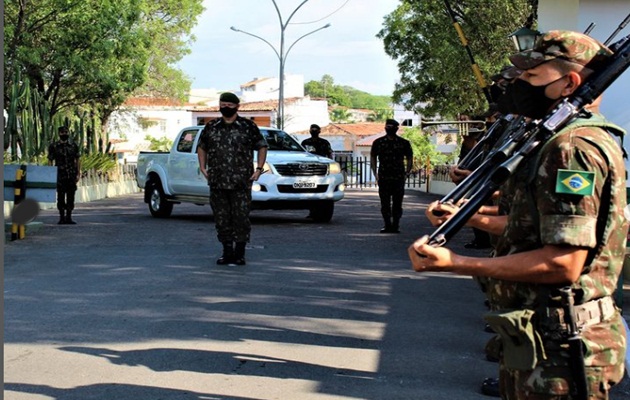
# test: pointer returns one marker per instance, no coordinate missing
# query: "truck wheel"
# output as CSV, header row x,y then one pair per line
x,y
158,205
323,211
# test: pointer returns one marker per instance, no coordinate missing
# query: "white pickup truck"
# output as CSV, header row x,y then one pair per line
x,y
293,178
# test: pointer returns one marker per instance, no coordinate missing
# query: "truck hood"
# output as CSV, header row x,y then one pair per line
x,y
286,157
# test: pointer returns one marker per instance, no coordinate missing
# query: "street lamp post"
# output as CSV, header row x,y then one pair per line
x,y
282,54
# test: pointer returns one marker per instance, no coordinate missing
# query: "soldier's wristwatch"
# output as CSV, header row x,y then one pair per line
x,y
259,169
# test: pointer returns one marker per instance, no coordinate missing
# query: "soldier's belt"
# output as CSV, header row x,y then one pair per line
x,y
587,314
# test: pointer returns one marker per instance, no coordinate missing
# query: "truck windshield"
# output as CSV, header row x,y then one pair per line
x,y
280,140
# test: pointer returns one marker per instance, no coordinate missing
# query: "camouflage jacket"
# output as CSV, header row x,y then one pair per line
x,y
391,154
64,155
541,213
230,149
322,146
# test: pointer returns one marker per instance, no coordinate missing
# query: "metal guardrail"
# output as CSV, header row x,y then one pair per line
x,y
358,173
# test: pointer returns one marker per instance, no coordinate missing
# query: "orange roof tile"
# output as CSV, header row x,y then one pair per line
x,y
253,82
152,102
267,105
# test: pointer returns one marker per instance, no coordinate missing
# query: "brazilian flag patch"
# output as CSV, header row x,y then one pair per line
x,y
575,182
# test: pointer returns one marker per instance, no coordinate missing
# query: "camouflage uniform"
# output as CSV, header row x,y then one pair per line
x,y
538,216
230,149
322,146
65,156
391,154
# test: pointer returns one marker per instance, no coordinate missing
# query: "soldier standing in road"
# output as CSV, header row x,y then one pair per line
x,y
226,158
390,153
65,156
561,243
317,145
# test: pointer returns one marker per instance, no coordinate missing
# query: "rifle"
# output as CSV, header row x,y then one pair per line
x,y
528,140
574,340
504,145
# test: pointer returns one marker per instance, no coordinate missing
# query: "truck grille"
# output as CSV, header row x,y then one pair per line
x,y
291,189
302,169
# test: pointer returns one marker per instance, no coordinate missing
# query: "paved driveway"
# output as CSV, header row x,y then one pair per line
x,y
126,306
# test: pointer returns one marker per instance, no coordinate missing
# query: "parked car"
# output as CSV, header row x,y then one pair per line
x,y
293,178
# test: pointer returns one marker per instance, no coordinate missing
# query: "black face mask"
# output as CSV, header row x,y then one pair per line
x,y
529,100
391,131
227,112
63,137
505,102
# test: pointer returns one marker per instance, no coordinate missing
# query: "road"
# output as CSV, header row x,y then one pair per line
x,y
126,306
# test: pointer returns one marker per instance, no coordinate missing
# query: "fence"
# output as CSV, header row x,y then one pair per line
x,y
357,172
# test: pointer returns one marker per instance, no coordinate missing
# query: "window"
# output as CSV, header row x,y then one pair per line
x,y
186,140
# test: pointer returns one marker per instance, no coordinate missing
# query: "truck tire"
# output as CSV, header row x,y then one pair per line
x,y
323,211
158,205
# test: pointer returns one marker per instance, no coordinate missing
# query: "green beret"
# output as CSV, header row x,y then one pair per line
x,y
228,97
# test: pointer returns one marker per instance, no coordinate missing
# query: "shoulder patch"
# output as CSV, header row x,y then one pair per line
x,y
575,182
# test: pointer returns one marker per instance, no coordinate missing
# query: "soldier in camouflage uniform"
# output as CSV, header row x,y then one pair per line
x,y
226,158
565,229
65,155
391,151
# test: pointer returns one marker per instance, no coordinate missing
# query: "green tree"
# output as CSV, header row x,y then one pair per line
x,y
422,148
435,70
339,114
91,54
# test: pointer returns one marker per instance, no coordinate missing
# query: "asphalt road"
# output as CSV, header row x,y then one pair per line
x,y
126,306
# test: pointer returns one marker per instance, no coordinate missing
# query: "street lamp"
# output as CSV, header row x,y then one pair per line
x,y
524,38
282,54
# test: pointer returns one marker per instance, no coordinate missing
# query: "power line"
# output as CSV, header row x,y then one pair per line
x,y
322,18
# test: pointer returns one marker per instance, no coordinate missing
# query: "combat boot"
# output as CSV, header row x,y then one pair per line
x,y
228,254
62,217
388,226
395,226
239,253
69,220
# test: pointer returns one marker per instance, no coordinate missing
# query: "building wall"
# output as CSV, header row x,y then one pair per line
x,y
124,124
299,115
577,15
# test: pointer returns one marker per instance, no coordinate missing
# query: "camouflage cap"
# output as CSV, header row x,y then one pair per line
x,y
508,72
566,45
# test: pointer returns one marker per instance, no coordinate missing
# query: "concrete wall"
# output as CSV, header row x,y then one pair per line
x,y
86,194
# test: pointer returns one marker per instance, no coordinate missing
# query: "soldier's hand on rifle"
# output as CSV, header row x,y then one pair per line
x,y
428,258
457,174
443,214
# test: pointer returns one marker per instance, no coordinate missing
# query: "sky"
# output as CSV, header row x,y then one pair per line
x,y
348,50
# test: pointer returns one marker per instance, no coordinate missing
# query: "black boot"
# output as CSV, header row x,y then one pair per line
x,y
62,218
395,226
69,218
388,226
228,254
239,253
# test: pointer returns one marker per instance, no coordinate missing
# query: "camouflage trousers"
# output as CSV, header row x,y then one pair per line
x,y
65,196
551,382
391,193
231,213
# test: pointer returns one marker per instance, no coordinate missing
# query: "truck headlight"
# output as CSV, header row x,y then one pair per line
x,y
334,168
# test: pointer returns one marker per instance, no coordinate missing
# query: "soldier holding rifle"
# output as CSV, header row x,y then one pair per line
x,y
561,246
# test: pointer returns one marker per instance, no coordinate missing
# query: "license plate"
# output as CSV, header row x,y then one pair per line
x,y
304,185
